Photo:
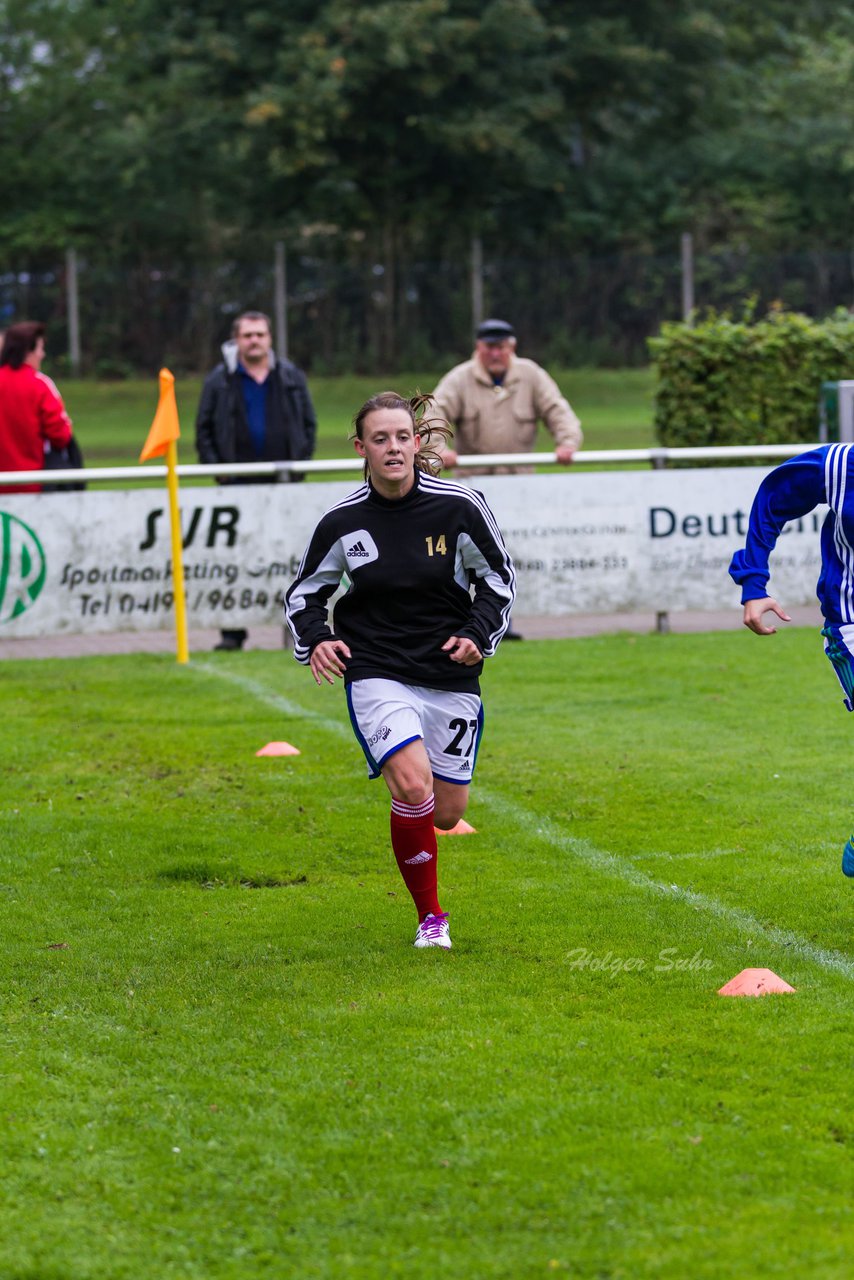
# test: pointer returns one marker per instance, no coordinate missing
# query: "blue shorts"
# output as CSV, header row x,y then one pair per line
x,y
839,647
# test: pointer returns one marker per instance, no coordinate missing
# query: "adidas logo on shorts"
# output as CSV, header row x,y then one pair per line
x,y
423,856
358,549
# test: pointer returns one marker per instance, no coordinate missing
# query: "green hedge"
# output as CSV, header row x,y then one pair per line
x,y
722,381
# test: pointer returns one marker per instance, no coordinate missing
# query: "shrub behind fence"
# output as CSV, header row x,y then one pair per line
x,y
726,382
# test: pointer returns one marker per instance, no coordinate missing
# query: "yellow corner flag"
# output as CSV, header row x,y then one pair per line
x,y
162,438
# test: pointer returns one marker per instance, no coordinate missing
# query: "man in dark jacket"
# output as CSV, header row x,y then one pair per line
x,y
254,408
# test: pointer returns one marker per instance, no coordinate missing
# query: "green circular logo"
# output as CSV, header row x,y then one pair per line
x,y
23,567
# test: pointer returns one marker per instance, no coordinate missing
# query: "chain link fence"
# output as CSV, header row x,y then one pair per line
x,y
353,316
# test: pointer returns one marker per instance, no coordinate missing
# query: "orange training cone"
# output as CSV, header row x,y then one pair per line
x,y
461,829
278,749
755,982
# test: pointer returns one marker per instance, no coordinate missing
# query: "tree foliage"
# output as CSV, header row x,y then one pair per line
x,y
147,134
142,124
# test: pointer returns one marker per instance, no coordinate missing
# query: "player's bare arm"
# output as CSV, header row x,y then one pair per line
x,y
461,649
754,611
328,661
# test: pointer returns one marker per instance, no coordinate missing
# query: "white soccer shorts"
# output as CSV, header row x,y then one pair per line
x,y
386,715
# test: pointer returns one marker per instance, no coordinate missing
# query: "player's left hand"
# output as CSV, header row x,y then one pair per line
x,y
564,454
461,649
753,613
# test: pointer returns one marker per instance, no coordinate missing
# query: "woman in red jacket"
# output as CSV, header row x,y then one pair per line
x,y
31,408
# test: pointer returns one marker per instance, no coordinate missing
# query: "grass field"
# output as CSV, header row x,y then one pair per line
x,y
111,419
224,1059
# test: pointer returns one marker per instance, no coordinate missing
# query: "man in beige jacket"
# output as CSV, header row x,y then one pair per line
x,y
494,401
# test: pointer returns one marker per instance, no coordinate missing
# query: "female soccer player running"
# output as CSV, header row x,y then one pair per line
x,y
429,591
824,475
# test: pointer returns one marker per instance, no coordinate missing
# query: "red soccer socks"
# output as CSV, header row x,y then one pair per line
x,y
413,838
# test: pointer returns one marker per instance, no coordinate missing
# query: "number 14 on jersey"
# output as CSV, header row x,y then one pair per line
x,y
440,548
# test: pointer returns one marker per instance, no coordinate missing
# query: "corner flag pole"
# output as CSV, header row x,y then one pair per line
x,y
183,652
162,439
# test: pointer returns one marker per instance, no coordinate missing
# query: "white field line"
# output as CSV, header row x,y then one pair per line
x,y
623,869
275,700
679,857
598,859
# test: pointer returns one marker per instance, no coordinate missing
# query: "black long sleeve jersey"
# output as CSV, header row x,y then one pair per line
x,y
419,569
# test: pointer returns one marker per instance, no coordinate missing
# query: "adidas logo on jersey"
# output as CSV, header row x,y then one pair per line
x,y
423,856
464,767
359,545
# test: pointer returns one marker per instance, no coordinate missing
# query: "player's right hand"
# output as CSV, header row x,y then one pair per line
x,y
463,650
326,660
754,611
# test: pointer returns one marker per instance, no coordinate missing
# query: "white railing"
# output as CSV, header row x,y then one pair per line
x,y
657,457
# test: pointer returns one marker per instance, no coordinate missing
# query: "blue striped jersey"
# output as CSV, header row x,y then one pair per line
x,y
824,475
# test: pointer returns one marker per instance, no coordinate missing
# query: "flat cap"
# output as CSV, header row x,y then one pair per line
x,y
494,331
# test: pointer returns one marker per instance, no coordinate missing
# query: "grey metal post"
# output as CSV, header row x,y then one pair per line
x,y
72,299
280,300
476,281
687,277
845,390
662,617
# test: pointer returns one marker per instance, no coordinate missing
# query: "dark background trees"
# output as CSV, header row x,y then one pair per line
x,y
172,145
